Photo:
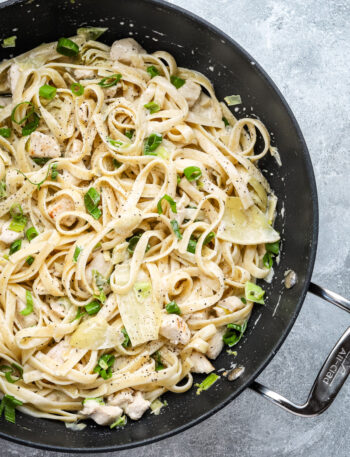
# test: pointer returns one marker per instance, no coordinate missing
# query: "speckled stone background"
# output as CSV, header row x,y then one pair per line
x,y
305,48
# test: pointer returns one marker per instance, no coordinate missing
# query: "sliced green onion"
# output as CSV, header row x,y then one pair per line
x,y
207,383
177,82
92,199
29,302
172,308
192,244
16,211
77,251
226,122
9,42
133,242
40,160
110,81
93,307
152,71
119,422
171,202
54,172
142,290
209,238
15,246
157,405
129,133
97,399
162,152
232,100
153,107
77,89
192,173
176,229
8,405
47,91
116,163
104,366
158,359
31,126
126,343
5,132
80,313
101,296
3,193
152,142
243,300
30,260
274,248
18,225
38,184
268,260
178,179
254,293
27,116
234,334
67,47
91,33
31,233
10,370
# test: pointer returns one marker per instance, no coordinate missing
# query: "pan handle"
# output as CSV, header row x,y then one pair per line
x,y
332,375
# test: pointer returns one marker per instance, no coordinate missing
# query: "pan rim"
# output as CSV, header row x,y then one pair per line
x,y
313,248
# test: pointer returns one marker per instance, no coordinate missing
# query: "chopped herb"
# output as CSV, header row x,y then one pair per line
x,y
232,100
192,244
77,89
192,173
209,238
129,133
5,132
104,366
172,308
15,246
8,406
67,47
226,122
158,359
176,229
40,160
92,199
153,107
171,202
80,313
268,260
177,82
47,91
120,422
254,293
30,260
26,117
207,383
93,307
9,42
126,343
19,221
133,242
274,248
243,300
77,251
29,302
152,71
110,81
91,33
152,142
15,369
31,233
234,334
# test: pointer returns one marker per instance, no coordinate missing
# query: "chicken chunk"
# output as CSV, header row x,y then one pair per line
x,y
200,363
191,92
124,50
100,264
60,206
175,329
9,236
102,414
137,407
13,75
121,399
42,145
216,344
81,73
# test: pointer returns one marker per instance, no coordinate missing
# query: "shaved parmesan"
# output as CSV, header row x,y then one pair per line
x,y
250,226
138,309
95,333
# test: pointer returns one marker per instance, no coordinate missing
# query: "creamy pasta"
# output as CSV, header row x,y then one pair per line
x,y
134,223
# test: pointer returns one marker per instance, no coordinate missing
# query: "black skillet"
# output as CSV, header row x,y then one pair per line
x,y
197,44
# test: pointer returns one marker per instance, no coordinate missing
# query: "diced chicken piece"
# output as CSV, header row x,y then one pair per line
x,y
191,92
216,344
200,363
100,264
121,399
110,92
124,50
100,413
13,76
42,145
60,206
80,73
137,407
175,329
26,321
9,236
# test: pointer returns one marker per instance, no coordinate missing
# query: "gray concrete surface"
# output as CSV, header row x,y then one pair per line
x,y
305,47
